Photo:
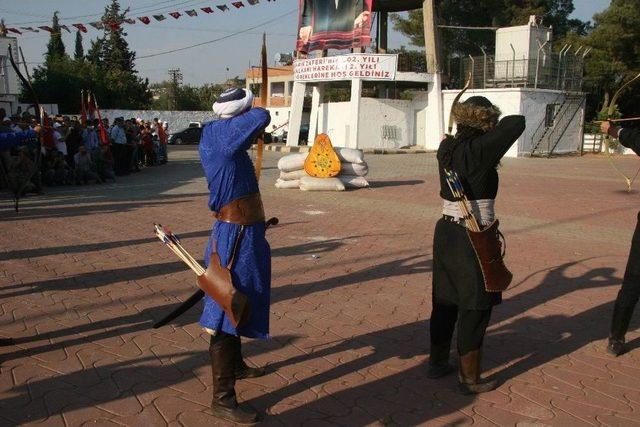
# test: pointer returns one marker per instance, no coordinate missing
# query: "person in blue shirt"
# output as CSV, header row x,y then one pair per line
x,y
238,235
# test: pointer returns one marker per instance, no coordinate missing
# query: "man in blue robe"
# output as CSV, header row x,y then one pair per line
x,y
238,237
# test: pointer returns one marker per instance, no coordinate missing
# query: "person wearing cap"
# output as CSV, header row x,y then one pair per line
x,y
630,291
238,237
458,291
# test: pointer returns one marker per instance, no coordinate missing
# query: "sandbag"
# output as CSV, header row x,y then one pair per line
x,y
357,169
349,155
292,162
282,184
353,181
292,176
309,183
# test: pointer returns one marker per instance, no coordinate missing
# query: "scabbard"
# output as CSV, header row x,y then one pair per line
x,y
181,309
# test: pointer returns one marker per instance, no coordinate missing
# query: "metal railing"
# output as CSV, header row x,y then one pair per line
x,y
558,71
546,138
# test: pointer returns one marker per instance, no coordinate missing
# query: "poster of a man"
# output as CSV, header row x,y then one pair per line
x,y
334,24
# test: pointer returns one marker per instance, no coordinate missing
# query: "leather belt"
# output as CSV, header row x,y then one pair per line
x,y
454,220
247,210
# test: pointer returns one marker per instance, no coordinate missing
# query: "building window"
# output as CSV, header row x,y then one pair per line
x,y
277,89
550,114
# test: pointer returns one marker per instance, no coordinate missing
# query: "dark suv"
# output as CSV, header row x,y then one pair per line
x,y
190,135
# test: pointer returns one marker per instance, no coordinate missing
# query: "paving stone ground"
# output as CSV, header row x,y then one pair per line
x,y
82,278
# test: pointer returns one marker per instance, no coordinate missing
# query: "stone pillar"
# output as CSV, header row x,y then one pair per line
x,y
295,120
435,108
316,100
354,110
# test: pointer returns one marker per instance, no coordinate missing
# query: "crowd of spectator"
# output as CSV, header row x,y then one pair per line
x,y
76,153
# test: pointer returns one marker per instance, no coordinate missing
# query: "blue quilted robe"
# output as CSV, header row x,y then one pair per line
x,y
230,175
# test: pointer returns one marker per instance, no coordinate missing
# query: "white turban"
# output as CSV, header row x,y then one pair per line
x,y
233,102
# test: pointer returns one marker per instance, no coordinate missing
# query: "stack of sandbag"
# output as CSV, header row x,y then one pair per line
x,y
352,172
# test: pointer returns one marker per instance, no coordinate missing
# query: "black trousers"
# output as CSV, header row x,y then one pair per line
x,y
472,326
630,291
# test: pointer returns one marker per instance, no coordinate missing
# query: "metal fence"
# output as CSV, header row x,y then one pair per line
x,y
559,71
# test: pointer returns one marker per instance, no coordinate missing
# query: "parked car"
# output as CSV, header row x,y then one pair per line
x,y
304,135
190,135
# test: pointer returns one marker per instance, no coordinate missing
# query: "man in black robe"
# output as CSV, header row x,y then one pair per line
x,y
630,290
458,294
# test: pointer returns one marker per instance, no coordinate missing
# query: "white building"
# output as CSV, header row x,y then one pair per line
x,y
9,83
523,76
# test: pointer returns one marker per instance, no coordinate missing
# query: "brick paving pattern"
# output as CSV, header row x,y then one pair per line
x,y
82,278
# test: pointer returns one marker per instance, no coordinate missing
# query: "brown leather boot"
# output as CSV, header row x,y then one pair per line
x,y
224,404
439,365
469,375
242,370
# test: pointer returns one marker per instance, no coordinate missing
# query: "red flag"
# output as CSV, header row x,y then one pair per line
x,y
102,132
237,4
176,15
81,27
14,30
144,19
206,9
46,28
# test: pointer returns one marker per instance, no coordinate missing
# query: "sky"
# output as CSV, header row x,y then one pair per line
x,y
241,29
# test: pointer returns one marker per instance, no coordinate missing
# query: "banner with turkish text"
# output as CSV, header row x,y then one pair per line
x,y
333,24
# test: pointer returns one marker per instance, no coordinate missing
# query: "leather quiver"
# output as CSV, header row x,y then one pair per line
x,y
217,283
488,249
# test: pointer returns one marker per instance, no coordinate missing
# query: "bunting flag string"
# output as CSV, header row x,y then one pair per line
x,y
146,20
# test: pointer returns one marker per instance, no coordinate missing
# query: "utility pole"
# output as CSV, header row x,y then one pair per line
x,y
175,76
432,52
431,38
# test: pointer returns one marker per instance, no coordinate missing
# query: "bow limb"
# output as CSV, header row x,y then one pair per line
x,y
264,93
607,139
456,100
39,117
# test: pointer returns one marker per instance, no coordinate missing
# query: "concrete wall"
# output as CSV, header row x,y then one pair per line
x,y
529,102
383,123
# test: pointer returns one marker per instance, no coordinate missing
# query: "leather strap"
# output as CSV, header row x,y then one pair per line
x,y
247,210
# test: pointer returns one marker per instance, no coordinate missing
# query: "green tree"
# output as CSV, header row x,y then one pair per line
x,y
118,85
79,51
485,13
615,55
55,46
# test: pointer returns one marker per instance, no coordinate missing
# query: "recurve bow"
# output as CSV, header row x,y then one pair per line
x,y
39,117
264,92
456,100
607,139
